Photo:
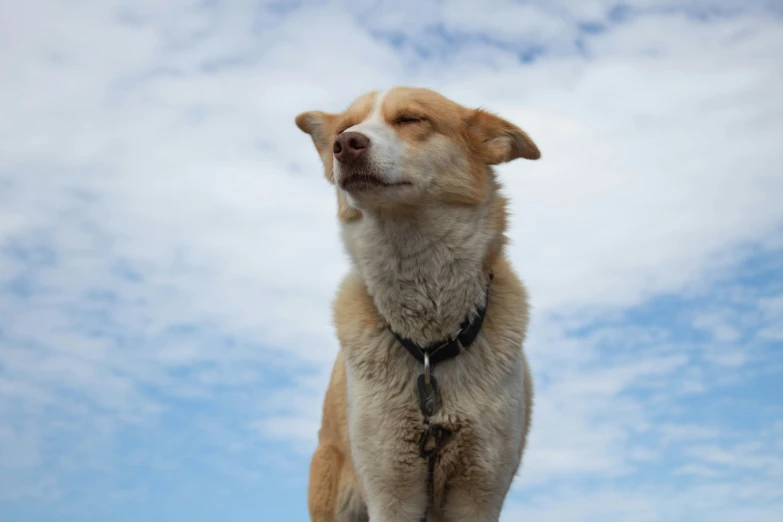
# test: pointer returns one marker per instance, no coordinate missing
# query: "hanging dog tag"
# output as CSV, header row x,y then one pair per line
x,y
428,395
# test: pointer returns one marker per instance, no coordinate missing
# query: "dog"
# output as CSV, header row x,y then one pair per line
x,y
430,399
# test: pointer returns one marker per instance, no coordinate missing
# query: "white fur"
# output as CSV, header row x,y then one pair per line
x,y
386,149
423,285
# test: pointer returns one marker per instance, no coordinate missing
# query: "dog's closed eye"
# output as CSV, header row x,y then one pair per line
x,y
406,119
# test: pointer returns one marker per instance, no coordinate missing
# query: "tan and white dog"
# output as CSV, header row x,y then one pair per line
x,y
423,222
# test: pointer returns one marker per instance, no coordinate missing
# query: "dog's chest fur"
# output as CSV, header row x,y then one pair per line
x,y
482,402
424,273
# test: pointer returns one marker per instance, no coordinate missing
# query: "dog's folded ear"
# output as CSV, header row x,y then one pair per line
x,y
319,126
496,140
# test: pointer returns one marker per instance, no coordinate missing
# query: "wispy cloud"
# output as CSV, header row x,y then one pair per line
x,y
168,247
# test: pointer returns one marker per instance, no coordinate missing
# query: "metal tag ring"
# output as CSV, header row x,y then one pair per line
x,y
427,368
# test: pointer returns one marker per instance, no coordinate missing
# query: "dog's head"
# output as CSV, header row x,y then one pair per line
x,y
408,146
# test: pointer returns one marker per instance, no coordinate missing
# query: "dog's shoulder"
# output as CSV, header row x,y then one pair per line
x,y
509,307
369,349
353,311
360,329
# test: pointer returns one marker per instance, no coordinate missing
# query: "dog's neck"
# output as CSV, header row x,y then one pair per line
x,y
426,270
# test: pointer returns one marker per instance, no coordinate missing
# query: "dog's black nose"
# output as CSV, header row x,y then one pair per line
x,y
350,145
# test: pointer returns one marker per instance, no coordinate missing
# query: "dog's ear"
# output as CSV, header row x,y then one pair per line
x,y
319,126
497,140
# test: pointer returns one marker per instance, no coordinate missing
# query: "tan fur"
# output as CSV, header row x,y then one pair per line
x,y
422,253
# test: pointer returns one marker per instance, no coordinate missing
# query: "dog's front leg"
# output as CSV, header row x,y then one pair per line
x,y
396,490
385,429
477,501
466,511
392,472
387,507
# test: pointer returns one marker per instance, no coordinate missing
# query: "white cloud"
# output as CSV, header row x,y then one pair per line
x,y
721,502
159,139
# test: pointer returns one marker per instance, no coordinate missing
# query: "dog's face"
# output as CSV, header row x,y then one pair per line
x,y
408,146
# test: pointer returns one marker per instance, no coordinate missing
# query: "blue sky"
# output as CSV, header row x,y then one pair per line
x,y
169,251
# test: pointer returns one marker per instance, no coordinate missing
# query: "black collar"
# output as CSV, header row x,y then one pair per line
x,y
446,349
